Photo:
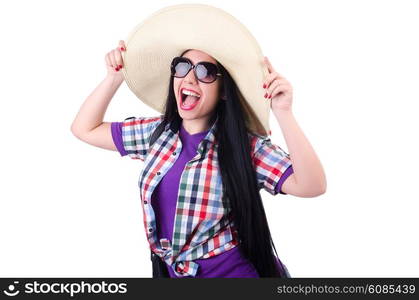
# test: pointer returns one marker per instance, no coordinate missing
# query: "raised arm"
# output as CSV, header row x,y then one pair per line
x,y
88,125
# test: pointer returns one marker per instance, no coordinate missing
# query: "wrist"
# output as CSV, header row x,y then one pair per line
x,y
114,79
282,112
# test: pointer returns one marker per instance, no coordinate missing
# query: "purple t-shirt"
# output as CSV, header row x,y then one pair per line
x,y
227,264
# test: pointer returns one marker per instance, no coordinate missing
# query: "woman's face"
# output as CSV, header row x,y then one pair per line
x,y
209,92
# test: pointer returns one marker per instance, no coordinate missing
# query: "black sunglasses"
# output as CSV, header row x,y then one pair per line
x,y
205,72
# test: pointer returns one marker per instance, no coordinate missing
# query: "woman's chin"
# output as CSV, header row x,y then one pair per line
x,y
189,115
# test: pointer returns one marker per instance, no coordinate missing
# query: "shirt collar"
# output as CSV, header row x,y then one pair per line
x,y
210,137
207,140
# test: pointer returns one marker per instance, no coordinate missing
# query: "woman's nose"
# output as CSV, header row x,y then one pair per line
x,y
190,77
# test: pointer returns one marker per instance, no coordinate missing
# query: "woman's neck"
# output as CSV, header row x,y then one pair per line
x,y
196,125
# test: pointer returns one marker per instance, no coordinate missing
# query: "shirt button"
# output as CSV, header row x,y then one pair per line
x,y
145,201
158,173
150,229
174,153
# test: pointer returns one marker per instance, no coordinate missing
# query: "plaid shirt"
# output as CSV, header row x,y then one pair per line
x,y
203,226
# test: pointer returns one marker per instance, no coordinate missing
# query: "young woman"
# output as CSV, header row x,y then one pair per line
x,y
203,168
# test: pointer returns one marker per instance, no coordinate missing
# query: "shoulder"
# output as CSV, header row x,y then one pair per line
x,y
145,121
136,134
257,141
141,124
262,146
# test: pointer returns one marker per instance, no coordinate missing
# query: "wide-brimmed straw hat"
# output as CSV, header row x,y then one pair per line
x,y
152,45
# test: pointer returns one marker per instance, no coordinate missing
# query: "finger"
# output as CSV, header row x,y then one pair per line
x,y
113,61
122,45
271,68
269,78
268,64
278,89
117,58
108,60
273,85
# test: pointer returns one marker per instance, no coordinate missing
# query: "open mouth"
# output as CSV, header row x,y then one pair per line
x,y
189,99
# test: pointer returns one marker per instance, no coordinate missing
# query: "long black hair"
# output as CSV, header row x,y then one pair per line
x,y
238,176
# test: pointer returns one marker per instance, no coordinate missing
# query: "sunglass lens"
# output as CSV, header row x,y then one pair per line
x,y
206,72
181,67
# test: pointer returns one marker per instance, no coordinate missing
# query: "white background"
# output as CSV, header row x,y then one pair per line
x,y
71,209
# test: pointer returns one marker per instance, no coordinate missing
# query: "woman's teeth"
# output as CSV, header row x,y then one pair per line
x,y
186,92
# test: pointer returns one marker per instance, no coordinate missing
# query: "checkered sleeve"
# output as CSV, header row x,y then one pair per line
x,y
131,137
272,164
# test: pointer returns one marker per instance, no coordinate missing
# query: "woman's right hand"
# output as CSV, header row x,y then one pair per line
x,y
114,62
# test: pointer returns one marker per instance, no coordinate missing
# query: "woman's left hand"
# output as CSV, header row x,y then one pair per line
x,y
278,89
